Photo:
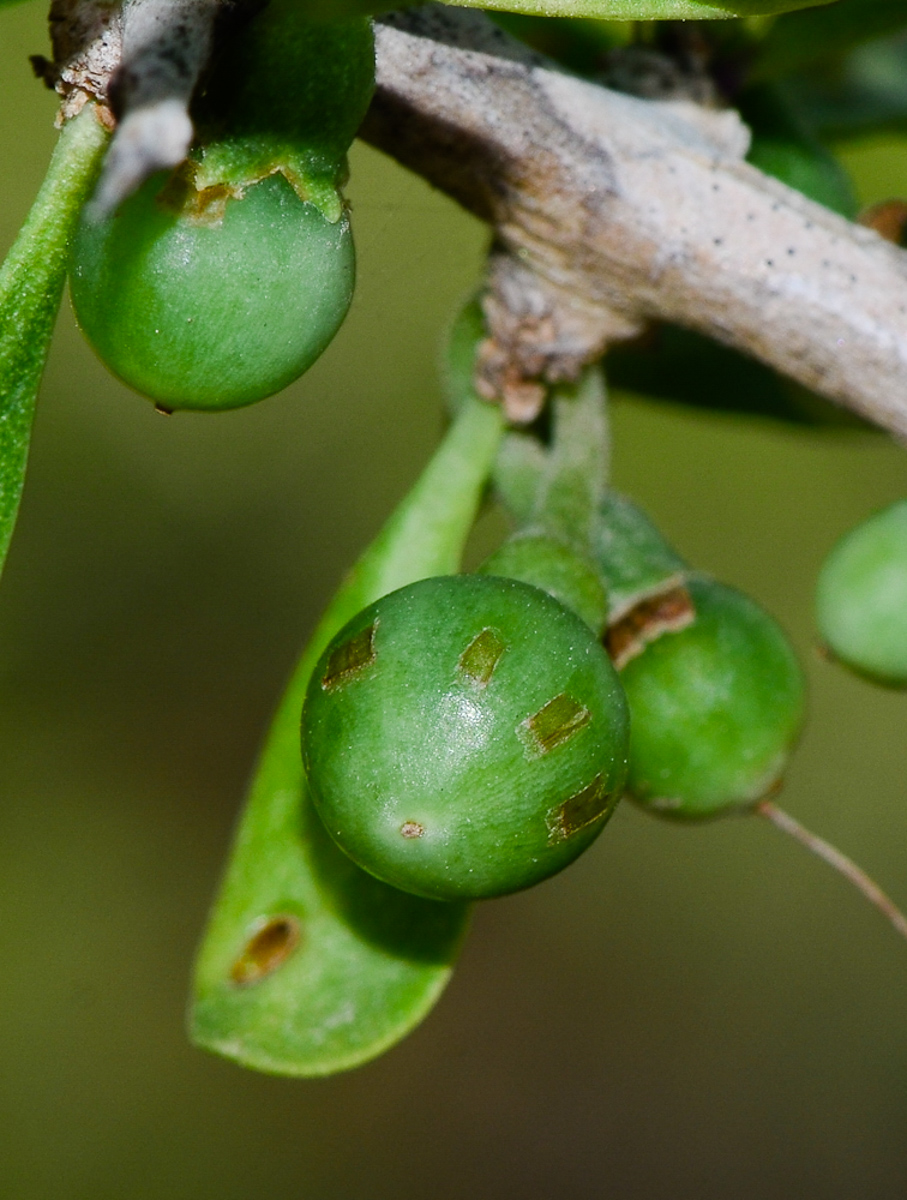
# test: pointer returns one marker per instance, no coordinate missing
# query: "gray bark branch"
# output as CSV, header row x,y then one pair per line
x,y
619,210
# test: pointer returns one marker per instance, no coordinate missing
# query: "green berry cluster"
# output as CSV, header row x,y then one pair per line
x,y
463,736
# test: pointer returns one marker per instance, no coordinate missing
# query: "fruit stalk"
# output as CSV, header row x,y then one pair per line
x,y
840,862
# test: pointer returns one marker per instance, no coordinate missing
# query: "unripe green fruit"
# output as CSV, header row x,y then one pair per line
x,y
212,315
715,706
861,597
465,737
222,284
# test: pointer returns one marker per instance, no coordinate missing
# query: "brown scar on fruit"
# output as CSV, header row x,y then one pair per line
x,y
412,829
667,612
350,658
554,724
481,656
181,197
268,948
580,810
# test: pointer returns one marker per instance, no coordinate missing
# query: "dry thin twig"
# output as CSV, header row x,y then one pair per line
x,y
841,863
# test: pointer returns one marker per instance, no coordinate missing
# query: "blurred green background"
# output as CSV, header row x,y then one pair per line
x,y
702,1012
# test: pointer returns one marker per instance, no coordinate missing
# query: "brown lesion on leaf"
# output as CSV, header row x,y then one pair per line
x,y
412,829
269,947
481,656
578,811
350,658
666,612
554,724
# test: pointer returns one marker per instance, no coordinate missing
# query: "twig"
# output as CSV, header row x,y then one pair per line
x,y
841,863
166,44
624,210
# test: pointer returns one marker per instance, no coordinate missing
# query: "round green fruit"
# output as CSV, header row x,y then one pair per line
x,y
861,597
715,707
216,309
465,737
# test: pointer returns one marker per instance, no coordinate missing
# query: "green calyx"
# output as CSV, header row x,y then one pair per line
x,y
716,700
633,558
861,597
287,96
465,737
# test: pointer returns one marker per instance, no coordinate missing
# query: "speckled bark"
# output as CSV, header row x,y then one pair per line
x,y
630,209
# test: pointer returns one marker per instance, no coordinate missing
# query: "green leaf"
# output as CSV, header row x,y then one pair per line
x,y
31,285
309,965
800,39
649,10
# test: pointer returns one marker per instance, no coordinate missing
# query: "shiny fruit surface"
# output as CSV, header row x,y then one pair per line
x,y
203,312
465,737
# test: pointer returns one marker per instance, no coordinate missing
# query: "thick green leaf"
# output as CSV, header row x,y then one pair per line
x,y
649,10
801,39
31,284
310,966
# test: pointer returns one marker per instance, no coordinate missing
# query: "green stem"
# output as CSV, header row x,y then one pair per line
x,y
576,469
310,966
31,285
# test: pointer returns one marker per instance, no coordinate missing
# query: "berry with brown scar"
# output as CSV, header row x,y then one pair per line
x,y
465,737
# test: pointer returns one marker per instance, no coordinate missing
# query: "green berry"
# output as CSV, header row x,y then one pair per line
x,y
716,702
207,313
222,284
861,597
465,737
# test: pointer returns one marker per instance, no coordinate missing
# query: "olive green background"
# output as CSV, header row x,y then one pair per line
x,y
687,1012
